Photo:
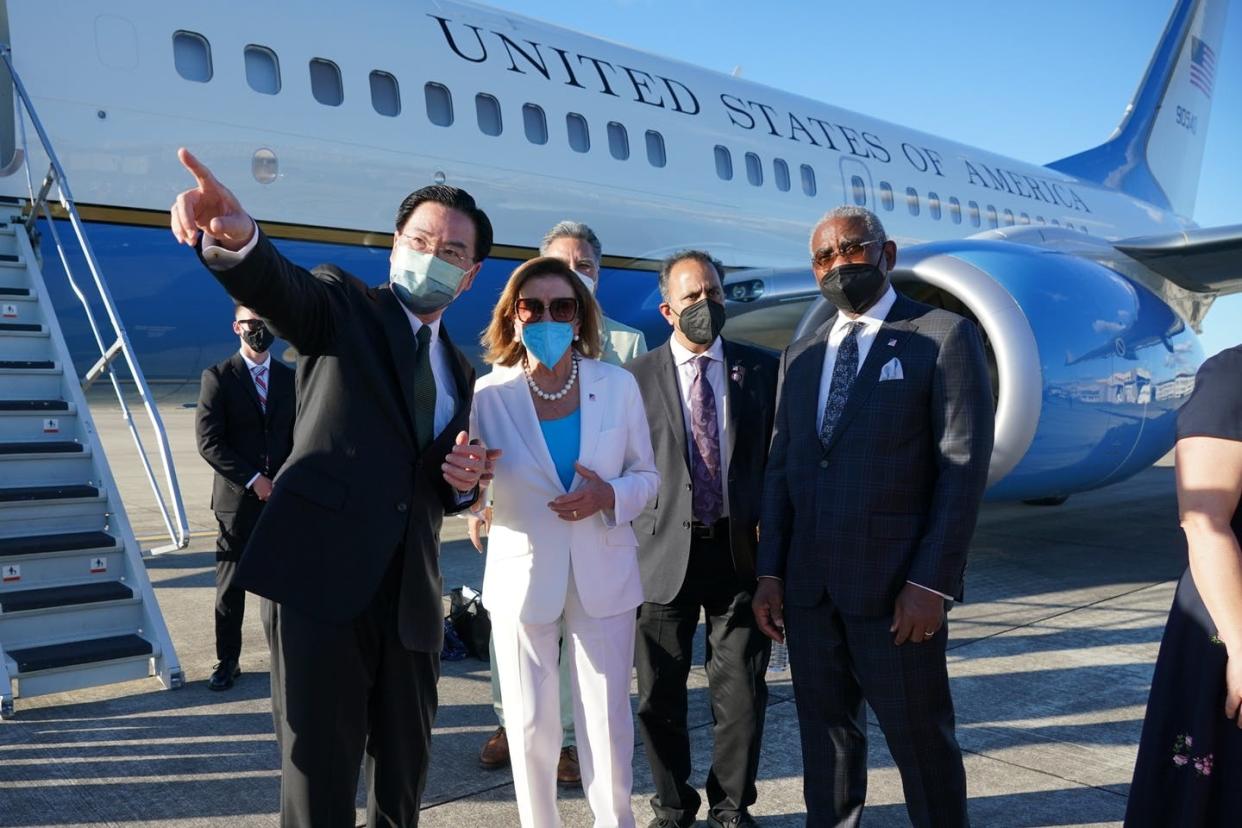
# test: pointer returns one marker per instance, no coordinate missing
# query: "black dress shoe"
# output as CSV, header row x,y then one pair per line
x,y
742,820
223,676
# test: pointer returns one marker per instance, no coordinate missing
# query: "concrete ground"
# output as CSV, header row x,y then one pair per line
x,y
1050,658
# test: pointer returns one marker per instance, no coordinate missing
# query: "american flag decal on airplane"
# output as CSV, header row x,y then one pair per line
x,y
1202,66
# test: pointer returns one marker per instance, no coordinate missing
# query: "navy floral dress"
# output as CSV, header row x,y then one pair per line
x,y
1189,768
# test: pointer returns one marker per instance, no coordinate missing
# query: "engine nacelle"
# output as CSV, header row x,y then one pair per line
x,y
1088,366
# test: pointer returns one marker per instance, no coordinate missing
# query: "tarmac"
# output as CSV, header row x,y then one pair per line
x,y
1050,659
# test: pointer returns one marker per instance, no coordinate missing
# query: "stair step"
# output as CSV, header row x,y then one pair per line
x,y
51,656
24,493
63,596
34,405
41,447
14,291
38,544
21,327
27,364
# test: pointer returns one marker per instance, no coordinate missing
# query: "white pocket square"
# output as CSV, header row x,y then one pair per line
x,y
891,370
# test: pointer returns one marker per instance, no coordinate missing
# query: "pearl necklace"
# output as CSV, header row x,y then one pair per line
x,y
550,396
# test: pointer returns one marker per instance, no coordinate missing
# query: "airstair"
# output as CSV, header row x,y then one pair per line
x,y
76,606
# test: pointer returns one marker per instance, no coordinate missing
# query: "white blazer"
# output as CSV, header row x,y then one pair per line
x,y
529,549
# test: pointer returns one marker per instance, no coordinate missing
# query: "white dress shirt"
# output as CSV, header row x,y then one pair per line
x,y
870,321
717,376
250,366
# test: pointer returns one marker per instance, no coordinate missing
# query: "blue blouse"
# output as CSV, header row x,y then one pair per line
x,y
563,437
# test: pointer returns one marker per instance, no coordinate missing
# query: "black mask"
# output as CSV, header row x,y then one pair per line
x,y
258,337
702,321
854,287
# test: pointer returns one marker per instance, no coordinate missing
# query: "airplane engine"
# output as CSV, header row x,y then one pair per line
x,y
1088,367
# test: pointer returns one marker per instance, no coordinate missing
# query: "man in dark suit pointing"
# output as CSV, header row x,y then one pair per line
x,y
245,431
710,404
348,544
879,459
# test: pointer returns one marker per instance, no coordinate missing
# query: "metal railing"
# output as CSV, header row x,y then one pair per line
x,y
174,519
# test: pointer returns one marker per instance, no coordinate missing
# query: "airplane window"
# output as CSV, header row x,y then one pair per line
x,y
933,206
579,133
1069,226
1040,219
860,190
655,149
1008,217
886,195
973,207
992,219
808,180
385,94
912,200
1023,218
192,56
536,124
724,163
955,210
326,82
618,141
754,169
487,110
439,104
1056,223
780,172
262,69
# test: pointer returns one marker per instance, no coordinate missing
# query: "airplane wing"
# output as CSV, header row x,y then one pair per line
x,y
1203,260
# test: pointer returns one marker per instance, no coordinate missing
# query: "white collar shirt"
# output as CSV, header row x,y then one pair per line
x,y
441,369
717,377
871,322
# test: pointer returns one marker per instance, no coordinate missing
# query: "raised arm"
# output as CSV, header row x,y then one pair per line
x,y
297,303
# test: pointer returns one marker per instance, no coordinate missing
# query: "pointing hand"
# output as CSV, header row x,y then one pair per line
x,y
208,207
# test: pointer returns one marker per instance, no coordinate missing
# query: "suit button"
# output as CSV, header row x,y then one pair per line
x,y
685,524
823,464
689,487
401,507
350,452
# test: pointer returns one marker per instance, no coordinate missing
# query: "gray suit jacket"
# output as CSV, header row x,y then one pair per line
x,y
663,528
895,495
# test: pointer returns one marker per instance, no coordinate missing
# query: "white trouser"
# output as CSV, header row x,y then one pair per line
x,y
601,654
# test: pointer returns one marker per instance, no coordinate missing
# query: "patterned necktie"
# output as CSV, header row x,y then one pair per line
x,y
844,373
708,500
424,391
260,385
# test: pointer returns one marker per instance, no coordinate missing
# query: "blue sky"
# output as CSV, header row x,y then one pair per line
x,y
1035,83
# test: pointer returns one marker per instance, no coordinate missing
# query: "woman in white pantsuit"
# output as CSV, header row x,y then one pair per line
x,y
577,466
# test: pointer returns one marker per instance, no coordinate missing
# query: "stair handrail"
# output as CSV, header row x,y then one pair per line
x,y
175,523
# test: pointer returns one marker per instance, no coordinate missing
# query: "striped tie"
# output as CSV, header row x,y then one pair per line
x,y
260,385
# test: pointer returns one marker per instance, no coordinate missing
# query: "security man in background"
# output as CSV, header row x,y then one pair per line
x,y
245,432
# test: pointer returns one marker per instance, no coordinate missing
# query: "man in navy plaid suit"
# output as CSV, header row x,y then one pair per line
x,y
863,537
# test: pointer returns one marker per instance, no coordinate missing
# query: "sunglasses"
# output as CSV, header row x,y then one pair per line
x,y
561,310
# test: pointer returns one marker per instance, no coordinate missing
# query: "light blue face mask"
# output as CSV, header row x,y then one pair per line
x,y
423,283
547,341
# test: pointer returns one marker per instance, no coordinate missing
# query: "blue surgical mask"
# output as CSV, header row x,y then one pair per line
x,y
423,283
548,341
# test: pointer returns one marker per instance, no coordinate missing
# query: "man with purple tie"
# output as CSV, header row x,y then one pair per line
x,y
710,406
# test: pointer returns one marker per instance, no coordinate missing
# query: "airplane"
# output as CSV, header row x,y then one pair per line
x,y
1087,276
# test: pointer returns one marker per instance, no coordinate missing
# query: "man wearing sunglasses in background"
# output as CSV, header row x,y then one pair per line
x,y
348,544
245,431
576,245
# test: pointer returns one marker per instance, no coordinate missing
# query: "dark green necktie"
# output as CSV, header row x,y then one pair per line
x,y
424,391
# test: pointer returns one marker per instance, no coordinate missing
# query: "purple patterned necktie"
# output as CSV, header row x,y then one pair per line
x,y
708,500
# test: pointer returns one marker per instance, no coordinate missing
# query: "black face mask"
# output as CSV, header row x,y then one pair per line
x,y
702,322
854,287
258,337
